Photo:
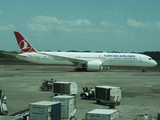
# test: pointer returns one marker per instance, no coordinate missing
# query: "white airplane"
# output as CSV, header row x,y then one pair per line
x,y
83,61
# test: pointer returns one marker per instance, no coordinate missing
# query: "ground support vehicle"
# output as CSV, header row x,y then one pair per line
x,y
3,104
47,84
88,93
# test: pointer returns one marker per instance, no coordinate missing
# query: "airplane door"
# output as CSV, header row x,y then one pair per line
x,y
77,56
38,58
111,59
141,61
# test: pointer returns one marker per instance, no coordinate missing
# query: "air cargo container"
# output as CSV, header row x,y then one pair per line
x,y
10,118
68,106
108,94
102,114
45,110
65,88
158,116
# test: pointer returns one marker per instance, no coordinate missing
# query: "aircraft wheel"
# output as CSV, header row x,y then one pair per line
x,y
143,70
84,96
76,69
84,69
98,101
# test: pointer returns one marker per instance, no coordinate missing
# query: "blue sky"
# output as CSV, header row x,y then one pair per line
x,y
106,25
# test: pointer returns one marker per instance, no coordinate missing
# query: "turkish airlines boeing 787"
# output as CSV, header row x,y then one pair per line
x,y
83,61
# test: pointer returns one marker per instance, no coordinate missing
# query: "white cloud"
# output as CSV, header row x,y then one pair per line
x,y
80,22
46,23
110,12
1,12
64,28
42,23
106,24
96,30
158,24
45,19
39,27
134,23
4,28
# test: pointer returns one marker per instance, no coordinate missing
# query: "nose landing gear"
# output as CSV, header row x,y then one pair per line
x,y
143,70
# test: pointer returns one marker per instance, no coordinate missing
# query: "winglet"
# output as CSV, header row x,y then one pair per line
x,y
23,44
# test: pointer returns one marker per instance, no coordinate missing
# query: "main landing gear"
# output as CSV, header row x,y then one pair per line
x,y
81,69
143,70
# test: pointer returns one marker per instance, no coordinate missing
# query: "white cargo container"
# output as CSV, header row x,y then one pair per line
x,y
68,106
68,88
45,110
102,114
108,94
10,118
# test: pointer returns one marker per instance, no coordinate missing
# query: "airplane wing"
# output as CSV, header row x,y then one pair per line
x,y
16,55
74,60
11,54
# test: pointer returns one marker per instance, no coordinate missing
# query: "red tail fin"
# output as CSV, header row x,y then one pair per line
x,y
23,43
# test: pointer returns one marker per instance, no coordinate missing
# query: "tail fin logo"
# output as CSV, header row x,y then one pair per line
x,y
24,46
23,43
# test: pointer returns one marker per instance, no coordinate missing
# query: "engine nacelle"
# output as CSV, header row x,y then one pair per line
x,y
95,65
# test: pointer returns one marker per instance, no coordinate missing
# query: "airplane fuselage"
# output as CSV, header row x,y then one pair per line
x,y
83,60
108,59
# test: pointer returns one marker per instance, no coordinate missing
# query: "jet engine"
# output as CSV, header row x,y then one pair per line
x,y
95,65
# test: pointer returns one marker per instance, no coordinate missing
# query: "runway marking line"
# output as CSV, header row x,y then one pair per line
x,y
149,85
143,96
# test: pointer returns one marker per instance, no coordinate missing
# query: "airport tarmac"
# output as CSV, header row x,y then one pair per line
x,y
139,90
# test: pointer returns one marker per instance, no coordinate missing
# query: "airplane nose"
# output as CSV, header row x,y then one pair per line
x,y
154,63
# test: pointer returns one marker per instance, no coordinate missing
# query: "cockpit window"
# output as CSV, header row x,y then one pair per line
x,y
150,58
